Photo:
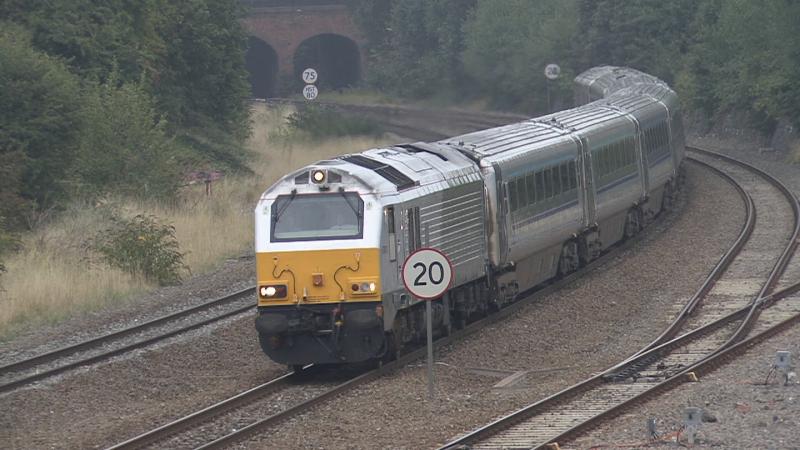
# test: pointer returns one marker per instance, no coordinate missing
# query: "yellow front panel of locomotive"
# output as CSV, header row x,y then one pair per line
x,y
357,271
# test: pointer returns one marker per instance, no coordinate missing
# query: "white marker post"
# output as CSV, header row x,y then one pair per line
x,y
551,72
427,274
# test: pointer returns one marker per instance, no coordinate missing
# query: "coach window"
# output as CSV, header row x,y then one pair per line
x,y
548,183
573,175
511,188
540,186
523,198
530,184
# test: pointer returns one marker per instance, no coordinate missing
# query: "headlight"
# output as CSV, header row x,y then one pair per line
x,y
361,287
273,291
318,176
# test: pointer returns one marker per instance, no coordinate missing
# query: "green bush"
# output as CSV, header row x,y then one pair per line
x,y
142,247
125,148
40,123
320,123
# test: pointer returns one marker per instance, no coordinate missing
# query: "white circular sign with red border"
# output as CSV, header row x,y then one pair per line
x,y
427,273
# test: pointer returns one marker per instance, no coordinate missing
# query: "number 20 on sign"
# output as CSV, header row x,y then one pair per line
x,y
427,274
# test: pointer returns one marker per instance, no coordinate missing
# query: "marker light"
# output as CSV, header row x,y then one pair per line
x,y
363,287
276,291
318,176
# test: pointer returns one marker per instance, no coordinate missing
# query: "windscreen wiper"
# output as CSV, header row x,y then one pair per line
x,y
285,205
346,200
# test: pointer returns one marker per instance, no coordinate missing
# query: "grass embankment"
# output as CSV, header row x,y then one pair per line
x,y
51,278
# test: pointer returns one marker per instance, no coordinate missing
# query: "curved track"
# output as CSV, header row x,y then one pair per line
x,y
27,371
720,316
639,376
193,427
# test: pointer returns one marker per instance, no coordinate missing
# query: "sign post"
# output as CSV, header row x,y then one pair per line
x,y
427,274
551,72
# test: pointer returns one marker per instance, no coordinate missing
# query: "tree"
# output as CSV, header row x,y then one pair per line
x,y
202,81
509,42
40,113
417,48
125,148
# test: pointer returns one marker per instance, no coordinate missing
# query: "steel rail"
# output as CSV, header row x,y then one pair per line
x,y
259,426
745,314
99,341
164,432
245,398
786,256
719,269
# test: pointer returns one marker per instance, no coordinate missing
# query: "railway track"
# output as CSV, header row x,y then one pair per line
x,y
192,428
26,371
715,325
237,412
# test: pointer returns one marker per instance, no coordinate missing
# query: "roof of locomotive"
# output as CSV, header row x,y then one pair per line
x,y
401,169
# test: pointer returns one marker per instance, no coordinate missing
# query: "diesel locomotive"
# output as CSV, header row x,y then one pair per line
x,y
512,207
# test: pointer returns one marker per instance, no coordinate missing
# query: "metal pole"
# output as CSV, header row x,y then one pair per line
x,y
549,108
430,349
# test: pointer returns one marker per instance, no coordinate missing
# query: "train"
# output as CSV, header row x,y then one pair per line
x,y
511,207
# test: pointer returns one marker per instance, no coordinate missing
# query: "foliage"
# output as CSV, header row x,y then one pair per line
x,y
746,57
40,122
125,148
645,34
321,123
720,54
142,247
419,52
116,96
508,44
201,79
95,37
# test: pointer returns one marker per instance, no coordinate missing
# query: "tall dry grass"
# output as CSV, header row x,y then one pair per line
x,y
51,278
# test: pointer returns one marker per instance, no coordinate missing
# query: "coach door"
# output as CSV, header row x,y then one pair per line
x,y
587,190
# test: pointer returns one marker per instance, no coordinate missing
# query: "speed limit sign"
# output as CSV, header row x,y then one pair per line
x,y
310,92
427,273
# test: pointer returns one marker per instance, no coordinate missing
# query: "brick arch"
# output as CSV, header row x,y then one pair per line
x,y
286,28
261,61
337,59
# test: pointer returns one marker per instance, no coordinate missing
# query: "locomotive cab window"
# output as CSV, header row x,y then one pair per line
x,y
312,217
